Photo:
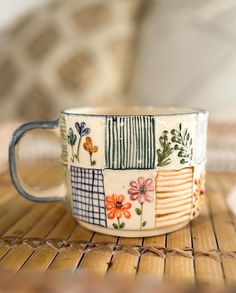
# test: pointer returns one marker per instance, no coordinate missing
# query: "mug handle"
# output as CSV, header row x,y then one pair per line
x,y
13,155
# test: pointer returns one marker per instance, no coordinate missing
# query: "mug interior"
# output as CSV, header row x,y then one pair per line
x,y
133,111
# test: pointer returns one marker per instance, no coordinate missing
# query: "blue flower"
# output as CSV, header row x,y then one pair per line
x,y
82,129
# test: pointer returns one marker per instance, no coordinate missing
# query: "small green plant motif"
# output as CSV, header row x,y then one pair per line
x,y
119,225
82,130
183,144
88,146
139,212
117,209
165,151
72,137
140,191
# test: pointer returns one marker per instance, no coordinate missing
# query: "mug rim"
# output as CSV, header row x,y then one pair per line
x,y
133,111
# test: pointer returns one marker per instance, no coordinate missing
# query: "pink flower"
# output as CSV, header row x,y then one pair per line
x,y
140,189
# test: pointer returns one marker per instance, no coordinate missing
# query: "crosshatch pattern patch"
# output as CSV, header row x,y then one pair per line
x,y
88,195
130,142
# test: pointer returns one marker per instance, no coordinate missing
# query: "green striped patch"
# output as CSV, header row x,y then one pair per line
x,y
130,142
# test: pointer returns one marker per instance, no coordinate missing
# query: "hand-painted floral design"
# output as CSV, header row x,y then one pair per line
x,y
140,190
88,146
198,194
180,142
82,131
164,152
183,144
72,140
117,209
200,185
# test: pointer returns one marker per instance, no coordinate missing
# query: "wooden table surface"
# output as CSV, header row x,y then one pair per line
x,y
44,237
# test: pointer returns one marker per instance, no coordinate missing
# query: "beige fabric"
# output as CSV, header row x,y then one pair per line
x,y
67,54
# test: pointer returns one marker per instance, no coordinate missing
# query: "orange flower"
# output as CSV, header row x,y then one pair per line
x,y
88,146
116,207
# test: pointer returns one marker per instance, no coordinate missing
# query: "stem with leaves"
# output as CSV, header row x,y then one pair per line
x,y
139,212
119,225
183,144
92,162
78,148
165,151
118,220
141,216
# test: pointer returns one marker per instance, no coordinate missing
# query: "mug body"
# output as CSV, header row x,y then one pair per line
x,y
134,172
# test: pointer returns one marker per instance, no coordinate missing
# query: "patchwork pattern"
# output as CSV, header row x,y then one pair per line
x,y
64,139
130,142
176,141
198,190
131,192
174,191
88,195
86,141
135,173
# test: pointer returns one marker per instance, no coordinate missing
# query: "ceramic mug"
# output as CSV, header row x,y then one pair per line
x,y
131,172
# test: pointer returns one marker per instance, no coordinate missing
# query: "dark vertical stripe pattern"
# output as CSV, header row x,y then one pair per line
x,y
130,142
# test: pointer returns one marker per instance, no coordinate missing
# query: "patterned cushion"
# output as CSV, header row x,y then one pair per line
x,y
69,53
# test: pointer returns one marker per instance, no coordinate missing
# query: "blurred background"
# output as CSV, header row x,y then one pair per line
x,y
58,54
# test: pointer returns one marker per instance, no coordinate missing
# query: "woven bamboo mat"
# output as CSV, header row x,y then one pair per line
x,y
44,237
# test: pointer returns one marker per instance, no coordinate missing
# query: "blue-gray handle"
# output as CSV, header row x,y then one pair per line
x,y
13,158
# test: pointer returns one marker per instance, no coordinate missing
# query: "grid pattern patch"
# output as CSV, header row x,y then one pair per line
x,y
88,195
130,142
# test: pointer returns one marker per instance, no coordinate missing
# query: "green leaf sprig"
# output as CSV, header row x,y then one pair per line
x,y
165,151
183,144
119,225
72,140
139,212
